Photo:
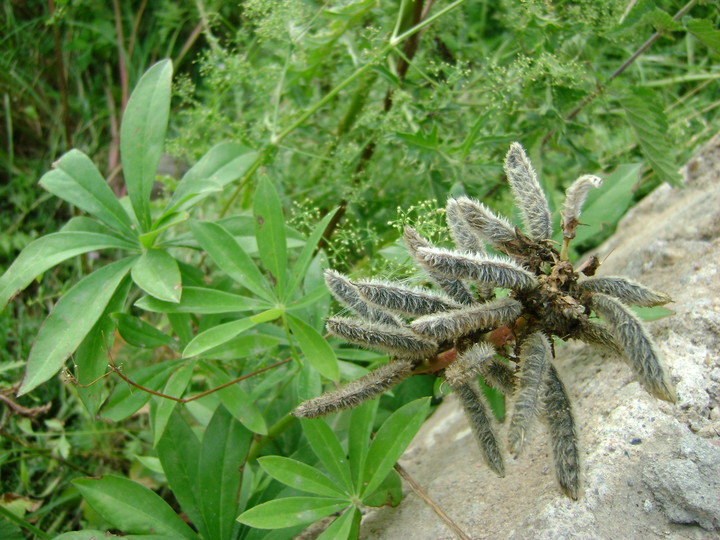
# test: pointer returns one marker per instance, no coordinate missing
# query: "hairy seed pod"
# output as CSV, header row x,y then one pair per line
x,y
575,197
561,427
347,294
456,323
465,238
487,270
535,355
469,364
455,288
495,229
597,334
499,375
393,340
476,412
528,194
637,345
630,292
405,300
355,392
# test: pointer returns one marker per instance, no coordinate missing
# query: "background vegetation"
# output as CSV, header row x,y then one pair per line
x,y
342,120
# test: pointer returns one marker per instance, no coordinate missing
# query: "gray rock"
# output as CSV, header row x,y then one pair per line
x,y
649,468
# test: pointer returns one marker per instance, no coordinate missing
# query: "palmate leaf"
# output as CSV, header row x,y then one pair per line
x,y
142,135
290,511
647,118
157,273
325,445
344,527
202,300
316,350
132,508
300,476
70,321
270,233
50,250
76,179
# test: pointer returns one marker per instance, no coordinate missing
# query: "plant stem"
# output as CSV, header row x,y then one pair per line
x,y
275,430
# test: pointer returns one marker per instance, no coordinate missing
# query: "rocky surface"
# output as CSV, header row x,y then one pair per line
x,y
650,469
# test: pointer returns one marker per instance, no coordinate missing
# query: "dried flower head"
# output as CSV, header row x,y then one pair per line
x,y
461,331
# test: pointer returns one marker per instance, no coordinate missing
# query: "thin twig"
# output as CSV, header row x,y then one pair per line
x,y
435,507
29,412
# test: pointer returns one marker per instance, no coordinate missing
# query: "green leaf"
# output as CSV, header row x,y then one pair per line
x,y
132,508
316,350
291,511
201,300
342,527
652,313
325,445
237,401
270,233
647,118
222,333
179,452
703,30
310,299
75,179
142,135
299,475
175,387
222,164
390,442
605,206
157,273
224,449
362,419
222,248
70,321
138,333
165,222
307,252
91,357
47,251
126,399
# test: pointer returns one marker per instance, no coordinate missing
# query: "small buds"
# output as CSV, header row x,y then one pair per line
x,y
575,197
637,346
354,393
458,322
487,270
630,292
393,340
528,194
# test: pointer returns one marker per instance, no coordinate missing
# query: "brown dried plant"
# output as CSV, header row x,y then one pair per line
x,y
460,330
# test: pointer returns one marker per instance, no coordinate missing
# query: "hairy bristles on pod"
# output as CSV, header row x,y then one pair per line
x,y
469,364
596,333
498,374
528,194
575,197
630,292
347,294
393,340
405,300
561,427
455,288
535,355
495,229
637,346
487,270
476,412
456,323
354,393
465,238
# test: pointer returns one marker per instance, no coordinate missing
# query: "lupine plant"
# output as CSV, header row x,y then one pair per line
x,y
495,317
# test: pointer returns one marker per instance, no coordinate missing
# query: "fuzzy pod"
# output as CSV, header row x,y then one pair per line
x,y
626,290
561,428
469,364
406,300
397,341
495,229
598,334
455,288
575,197
464,236
347,294
495,271
476,411
459,322
528,194
535,355
356,392
498,374
637,346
